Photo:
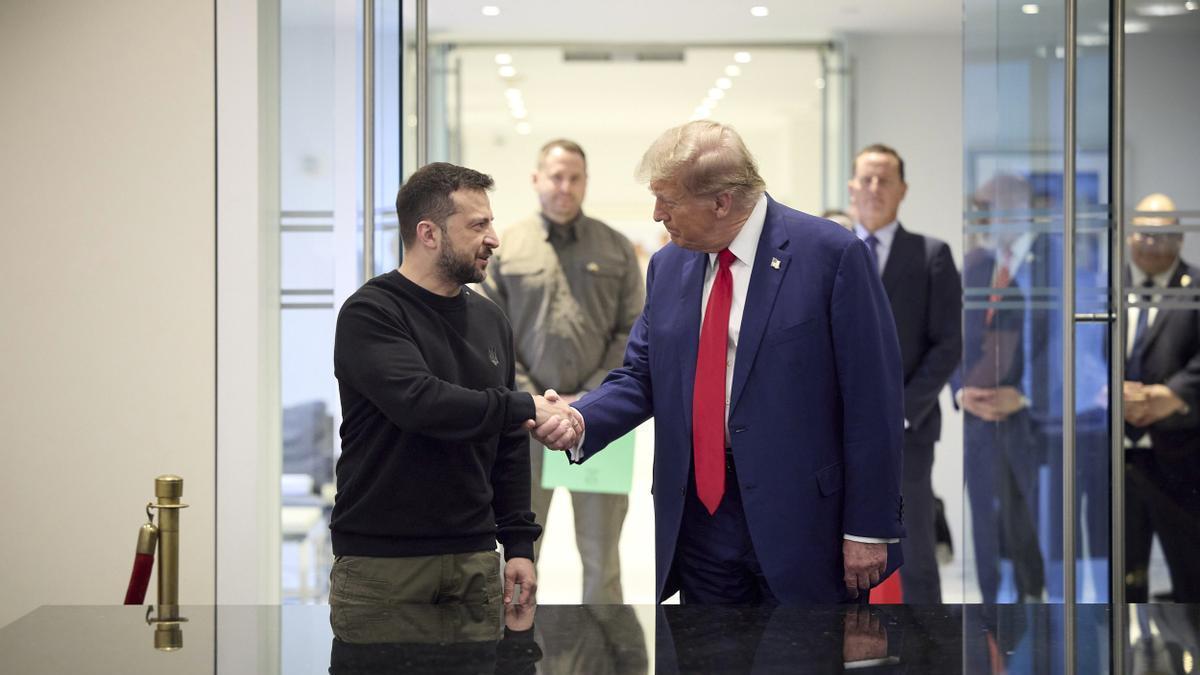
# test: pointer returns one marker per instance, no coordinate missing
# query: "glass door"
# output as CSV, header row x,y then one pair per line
x,y
1034,382
1160,425
343,129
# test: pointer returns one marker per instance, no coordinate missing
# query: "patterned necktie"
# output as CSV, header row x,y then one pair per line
x,y
708,395
1002,279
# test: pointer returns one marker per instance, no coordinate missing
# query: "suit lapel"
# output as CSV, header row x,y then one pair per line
x,y
1162,317
691,291
898,257
765,281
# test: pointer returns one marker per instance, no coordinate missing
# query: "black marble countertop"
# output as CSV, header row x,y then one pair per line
x,y
594,640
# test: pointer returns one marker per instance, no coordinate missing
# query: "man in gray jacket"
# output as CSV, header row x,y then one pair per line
x,y
572,289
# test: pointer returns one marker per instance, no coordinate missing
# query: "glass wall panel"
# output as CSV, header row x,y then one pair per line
x,y
1012,379
321,243
1162,389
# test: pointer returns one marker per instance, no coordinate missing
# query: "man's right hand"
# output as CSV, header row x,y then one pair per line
x,y
558,426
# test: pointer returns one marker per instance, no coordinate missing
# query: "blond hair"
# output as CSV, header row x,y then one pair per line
x,y
706,158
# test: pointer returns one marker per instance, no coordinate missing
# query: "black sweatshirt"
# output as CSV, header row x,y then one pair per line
x,y
434,457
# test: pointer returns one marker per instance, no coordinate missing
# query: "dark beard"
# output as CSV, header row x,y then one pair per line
x,y
457,268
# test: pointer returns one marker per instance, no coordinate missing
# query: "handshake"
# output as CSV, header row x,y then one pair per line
x,y
557,425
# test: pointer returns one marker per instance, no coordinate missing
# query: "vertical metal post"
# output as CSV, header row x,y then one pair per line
x,y
422,83
368,138
168,490
1116,283
1068,342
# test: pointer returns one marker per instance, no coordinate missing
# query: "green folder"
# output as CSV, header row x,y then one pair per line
x,y
609,471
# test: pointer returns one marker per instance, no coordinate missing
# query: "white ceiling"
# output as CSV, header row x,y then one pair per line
x,y
683,21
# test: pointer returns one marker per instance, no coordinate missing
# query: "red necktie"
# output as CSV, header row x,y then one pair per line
x,y
1002,280
708,396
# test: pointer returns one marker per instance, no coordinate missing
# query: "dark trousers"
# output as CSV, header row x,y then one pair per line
x,y
1162,498
922,585
715,563
1001,472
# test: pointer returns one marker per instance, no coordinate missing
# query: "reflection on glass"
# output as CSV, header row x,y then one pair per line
x,y
1002,457
1163,639
1162,350
1161,391
446,638
320,166
1012,386
602,639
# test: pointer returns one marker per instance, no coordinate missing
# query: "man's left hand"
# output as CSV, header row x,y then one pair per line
x,y
864,565
520,571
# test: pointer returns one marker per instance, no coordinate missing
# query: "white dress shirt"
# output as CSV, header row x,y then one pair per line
x,y
743,247
1137,277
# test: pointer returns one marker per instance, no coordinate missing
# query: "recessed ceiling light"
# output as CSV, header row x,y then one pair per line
x,y
519,113
1060,52
1137,27
512,94
819,83
702,111
733,71
490,10
741,57
506,71
1191,6
724,83
715,93
1030,9
503,59
1092,40
524,128
1161,9
759,10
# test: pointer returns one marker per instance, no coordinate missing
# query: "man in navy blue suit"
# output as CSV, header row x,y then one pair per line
x,y
768,356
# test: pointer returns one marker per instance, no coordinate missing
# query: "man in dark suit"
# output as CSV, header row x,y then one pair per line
x,y
923,286
1162,415
778,418
1001,457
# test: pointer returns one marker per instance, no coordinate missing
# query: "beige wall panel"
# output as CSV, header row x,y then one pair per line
x,y
107,294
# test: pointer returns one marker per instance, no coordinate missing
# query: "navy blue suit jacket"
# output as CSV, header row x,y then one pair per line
x,y
816,416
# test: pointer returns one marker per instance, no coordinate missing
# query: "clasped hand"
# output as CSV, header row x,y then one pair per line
x,y
1146,404
557,425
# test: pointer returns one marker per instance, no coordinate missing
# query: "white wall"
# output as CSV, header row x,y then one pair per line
x,y
107,293
1161,141
907,93
616,109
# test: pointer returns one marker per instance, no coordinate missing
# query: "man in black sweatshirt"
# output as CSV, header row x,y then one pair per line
x,y
435,450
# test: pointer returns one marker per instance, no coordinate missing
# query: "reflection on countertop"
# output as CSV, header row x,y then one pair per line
x,y
597,639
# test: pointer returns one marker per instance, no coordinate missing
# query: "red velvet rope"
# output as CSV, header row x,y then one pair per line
x,y
139,579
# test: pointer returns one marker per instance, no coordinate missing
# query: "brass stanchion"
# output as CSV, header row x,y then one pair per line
x,y
168,635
